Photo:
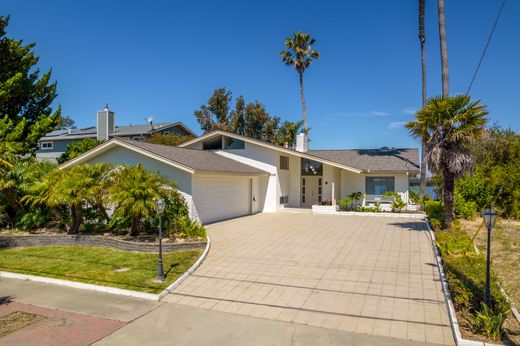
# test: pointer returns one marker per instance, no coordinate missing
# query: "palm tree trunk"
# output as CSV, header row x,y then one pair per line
x,y
422,39
448,192
304,108
444,49
75,214
133,227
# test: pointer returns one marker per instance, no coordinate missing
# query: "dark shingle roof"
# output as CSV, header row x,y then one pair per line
x,y
195,159
374,160
126,130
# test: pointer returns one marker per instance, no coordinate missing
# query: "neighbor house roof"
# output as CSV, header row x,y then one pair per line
x,y
186,159
127,130
356,160
374,160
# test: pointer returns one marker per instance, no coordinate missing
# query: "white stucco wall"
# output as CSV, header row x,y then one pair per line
x,y
121,155
331,175
353,182
278,183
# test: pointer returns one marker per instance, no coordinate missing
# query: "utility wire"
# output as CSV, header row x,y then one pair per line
x,y
487,45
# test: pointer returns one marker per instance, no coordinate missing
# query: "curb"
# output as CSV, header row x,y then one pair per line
x,y
447,296
190,271
112,290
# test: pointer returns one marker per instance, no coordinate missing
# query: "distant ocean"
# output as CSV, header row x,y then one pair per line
x,y
429,190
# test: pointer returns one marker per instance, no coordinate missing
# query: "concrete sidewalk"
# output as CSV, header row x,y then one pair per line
x,y
174,324
85,302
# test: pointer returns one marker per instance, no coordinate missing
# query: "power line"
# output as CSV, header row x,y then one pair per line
x,y
487,45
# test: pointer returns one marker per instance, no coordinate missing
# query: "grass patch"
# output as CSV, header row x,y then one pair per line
x,y
466,274
98,265
505,252
17,320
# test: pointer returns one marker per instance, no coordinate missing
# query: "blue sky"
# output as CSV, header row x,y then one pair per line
x,y
164,58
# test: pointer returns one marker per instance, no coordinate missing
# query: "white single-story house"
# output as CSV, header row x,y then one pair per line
x,y
225,175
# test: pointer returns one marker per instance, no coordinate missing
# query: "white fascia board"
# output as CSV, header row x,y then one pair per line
x,y
230,174
271,146
115,142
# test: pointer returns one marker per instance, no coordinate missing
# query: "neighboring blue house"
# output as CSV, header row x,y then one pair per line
x,y
55,143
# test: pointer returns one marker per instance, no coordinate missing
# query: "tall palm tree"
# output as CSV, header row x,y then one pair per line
x,y
444,49
132,191
422,40
450,124
300,55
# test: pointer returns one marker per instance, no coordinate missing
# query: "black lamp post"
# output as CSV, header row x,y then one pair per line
x,y
160,208
490,217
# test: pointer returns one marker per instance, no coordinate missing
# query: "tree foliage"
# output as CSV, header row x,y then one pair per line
x,y
133,191
25,94
495,177
173,139
449,125
77,148
248,119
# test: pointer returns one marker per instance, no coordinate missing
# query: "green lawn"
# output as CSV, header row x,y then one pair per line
x,y
98,265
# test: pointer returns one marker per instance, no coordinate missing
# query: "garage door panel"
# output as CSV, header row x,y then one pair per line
x,y
221,198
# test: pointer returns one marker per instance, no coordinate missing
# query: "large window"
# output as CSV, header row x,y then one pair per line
x,y
310,167
379,185
232,143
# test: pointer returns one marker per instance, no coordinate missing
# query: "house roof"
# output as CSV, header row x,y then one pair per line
x,y
127,130
271,146
357,160
187,159
374,160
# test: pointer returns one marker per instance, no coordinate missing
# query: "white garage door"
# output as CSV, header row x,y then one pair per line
x,y
221,198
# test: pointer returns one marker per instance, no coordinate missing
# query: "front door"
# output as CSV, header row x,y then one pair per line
x,y
310,191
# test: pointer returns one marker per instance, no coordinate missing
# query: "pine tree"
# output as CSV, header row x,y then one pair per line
x,y
25,95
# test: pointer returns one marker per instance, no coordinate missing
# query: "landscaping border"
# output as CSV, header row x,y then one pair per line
x,y
92,240
447,296
114,290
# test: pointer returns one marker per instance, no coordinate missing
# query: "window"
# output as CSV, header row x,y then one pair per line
x,y
167,133
284,162
303,198
47,145
284,199
379,185
138,138
214,144
310,167
232,143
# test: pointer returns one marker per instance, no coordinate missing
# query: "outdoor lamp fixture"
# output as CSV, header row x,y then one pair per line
x,y
160,271
490,217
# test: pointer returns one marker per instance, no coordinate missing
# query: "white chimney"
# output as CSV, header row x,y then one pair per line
x,y
105,124
302,143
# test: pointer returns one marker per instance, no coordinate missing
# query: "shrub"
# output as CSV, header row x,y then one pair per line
x,y
190,229
488,322
346,203
464,209
35,218
434,210
414,197
397,203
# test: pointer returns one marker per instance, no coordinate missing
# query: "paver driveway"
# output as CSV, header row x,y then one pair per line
x,y
374,275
